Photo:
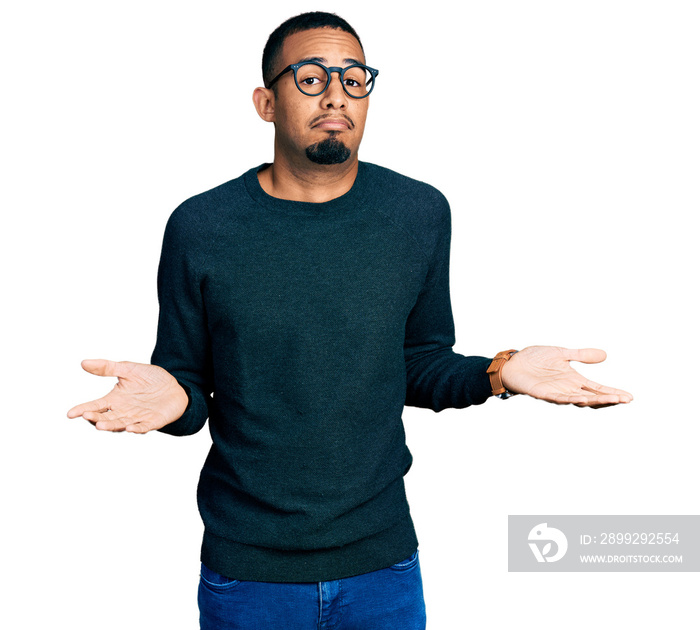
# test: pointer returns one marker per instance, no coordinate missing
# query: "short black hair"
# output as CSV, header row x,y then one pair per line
x,y
296,24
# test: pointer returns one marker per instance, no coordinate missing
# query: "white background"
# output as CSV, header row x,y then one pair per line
x,y
565,135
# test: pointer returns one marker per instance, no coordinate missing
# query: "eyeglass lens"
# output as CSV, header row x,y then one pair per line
x,y
312,79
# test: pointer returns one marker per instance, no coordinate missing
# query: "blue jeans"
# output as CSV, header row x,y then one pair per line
x,y
388,599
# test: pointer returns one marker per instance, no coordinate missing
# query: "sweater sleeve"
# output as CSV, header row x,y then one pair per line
x,y
183,347
436,376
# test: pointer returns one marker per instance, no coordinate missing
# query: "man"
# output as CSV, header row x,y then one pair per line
x,y
302,305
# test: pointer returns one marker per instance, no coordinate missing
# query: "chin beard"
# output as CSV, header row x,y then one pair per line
x,y
328,151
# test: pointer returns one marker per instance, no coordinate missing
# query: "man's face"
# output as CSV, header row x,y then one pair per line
x,y
328,128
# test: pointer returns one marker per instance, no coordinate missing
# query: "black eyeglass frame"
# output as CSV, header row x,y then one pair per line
x,y
340,71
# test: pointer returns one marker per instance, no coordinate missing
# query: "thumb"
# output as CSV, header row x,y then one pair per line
x,y
101,367
586,355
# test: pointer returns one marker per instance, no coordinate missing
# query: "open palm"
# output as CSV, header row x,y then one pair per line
x,y
146,397
544,372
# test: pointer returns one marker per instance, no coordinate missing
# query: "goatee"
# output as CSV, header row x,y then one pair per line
x,y
328,151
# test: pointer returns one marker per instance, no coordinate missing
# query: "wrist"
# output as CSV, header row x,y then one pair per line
x,y
181,401
495,372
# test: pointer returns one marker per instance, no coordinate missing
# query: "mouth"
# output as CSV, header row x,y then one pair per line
x,y
330,122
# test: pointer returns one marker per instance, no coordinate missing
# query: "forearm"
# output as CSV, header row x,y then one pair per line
x,y
444,379
183,347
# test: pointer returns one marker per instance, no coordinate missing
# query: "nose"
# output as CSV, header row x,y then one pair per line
x,y
334,97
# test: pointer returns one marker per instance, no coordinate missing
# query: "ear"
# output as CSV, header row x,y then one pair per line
x,y
264,101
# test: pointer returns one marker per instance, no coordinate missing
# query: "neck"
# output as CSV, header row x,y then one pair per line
x,y
307,181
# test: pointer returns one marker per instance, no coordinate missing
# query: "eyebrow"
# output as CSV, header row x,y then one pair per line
x,y
324,61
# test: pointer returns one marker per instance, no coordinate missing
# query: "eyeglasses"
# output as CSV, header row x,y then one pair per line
x,y
313,78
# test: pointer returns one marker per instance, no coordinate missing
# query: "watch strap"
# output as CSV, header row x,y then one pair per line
x,y
494,371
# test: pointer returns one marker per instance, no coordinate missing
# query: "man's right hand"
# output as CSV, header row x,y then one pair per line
x,y
145,398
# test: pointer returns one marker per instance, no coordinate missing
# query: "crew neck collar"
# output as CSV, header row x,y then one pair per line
x,y
348,200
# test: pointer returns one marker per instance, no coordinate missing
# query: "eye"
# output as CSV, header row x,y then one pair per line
x,y
355,79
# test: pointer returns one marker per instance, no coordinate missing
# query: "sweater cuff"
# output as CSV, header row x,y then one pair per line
x,y
194,417
470,384
478,382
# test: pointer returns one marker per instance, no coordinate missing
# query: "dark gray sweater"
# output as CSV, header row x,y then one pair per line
x,y
301,330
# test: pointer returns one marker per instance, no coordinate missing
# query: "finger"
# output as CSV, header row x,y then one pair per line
x,y
597,388
598,402
132,423
110,421
586,355
103,418
586,399
141,427
589,400
113,426
104,367
146,422
97,406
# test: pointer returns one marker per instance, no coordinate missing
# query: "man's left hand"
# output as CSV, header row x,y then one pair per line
x,y
544,372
